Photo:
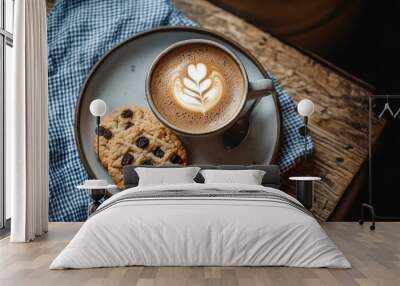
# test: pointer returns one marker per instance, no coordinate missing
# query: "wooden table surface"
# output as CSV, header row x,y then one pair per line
x,y
374,255
339,125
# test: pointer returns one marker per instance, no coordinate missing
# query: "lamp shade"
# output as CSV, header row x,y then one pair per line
x,y
305,107
98,107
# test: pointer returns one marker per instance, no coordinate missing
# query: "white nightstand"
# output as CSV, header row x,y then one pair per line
x,y
304,190
96,192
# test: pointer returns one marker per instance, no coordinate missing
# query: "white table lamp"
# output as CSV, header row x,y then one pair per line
x,y
98,108
305,108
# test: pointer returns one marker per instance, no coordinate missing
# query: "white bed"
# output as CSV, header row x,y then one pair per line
x,y
246,225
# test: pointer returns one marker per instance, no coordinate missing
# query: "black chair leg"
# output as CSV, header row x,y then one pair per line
x,y
372,211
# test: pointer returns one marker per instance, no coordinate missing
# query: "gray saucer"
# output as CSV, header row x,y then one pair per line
x,y
119,79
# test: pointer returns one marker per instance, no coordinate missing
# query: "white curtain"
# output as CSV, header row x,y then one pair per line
x,y
26,124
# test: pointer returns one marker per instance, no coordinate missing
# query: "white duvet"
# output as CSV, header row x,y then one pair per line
x,y
200,231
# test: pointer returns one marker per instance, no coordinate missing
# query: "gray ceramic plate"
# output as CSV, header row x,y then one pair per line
x,y
119,79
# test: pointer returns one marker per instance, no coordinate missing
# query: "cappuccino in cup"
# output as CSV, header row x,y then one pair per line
x,y
197,87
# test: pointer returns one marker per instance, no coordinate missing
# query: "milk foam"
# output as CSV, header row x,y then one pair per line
x,y
197,87
198,92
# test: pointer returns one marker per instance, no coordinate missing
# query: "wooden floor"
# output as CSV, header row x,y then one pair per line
x,y
375,257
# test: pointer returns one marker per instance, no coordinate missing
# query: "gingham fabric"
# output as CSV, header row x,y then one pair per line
x,y
80,32
292,145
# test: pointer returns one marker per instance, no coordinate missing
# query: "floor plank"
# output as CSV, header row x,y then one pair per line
x,y
375,257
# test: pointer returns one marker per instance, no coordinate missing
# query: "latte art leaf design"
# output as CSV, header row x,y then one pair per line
x,y
198,92
196,85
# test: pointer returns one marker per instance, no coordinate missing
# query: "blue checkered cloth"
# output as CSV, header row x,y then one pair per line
x,y
80,32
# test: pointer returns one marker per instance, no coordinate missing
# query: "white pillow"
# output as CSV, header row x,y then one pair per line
x,y
164,176
248,177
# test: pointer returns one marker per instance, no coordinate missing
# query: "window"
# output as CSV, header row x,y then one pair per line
x,y
6,62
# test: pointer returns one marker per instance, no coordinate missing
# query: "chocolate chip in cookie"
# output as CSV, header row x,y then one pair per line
x,y
142,142
148,162
158,152
101,131
127,113
127,159
176,159
128,125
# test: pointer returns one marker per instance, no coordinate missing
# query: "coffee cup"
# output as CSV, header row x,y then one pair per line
x,y
199,87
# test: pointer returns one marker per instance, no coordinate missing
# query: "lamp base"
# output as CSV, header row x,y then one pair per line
x,y
98,136
303,130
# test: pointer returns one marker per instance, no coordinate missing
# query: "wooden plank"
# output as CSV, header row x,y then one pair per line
x,y
340,123
374,255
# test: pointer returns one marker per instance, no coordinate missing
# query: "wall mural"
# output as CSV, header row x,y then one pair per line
x,y
168,101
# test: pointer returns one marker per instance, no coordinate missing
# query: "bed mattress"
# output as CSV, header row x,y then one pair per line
x,y
201,225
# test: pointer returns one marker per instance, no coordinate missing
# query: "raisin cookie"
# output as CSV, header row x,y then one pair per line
x,y
117,121
144,143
